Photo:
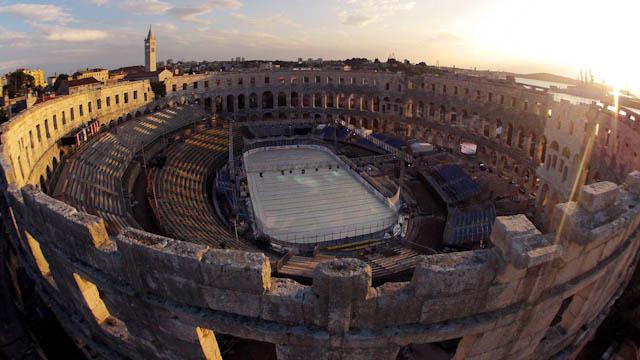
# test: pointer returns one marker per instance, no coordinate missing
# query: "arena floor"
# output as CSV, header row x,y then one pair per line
x,y
315,206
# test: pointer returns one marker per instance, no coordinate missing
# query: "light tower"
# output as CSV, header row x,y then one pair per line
x,y
150,52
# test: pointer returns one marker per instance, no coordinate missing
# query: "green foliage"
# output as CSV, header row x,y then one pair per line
x,y
158,88
3,115
19,83
59,80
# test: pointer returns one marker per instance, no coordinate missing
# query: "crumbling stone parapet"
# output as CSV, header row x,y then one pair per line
x,y
598,196
632,182
337,284
444,274
521,243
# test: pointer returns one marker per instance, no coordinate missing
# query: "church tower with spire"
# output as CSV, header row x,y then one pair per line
x,y
150,52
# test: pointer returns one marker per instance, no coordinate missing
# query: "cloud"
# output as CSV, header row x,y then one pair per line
x,y
99,2
74,35
185,11
190,13
149,7
37,12
364,12
267,21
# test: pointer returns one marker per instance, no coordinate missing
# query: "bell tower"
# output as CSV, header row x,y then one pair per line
x,y
150,52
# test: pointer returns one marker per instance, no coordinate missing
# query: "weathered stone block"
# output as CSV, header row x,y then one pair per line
x,y
445,274
521,243
632,182
598,196
240,270
284,302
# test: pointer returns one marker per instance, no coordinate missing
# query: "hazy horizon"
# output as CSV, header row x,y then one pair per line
x,y
499,35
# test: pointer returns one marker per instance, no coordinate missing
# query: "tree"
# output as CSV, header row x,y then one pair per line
x,y
158,88
19,83
59,80
3,115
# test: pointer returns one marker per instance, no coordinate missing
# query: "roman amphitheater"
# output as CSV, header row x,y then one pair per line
x,y
295,213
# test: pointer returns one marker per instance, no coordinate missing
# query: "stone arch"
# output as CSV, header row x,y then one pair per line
x,y
218,104
330,100
241,102
230,103
420,109
542,149
521,137
282,99
267,100
509,134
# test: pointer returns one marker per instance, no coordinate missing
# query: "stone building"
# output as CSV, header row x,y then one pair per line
x,y
101,75
150,52
533,292
38,76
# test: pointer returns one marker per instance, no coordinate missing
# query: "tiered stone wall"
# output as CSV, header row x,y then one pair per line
x,y
139,295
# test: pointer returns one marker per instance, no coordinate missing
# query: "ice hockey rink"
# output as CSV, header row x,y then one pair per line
x,y
327,204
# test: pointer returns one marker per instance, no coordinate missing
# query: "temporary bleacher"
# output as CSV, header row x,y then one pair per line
x,y
91,178
181,203
453,184
469,226
329,132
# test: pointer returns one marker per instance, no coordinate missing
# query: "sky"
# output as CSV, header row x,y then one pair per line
x,y
559,36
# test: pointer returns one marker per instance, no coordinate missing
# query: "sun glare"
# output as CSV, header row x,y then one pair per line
x,y
571,34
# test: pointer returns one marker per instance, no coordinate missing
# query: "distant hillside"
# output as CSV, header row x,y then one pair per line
x,y
549,77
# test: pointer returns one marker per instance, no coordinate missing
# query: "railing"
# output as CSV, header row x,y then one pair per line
x,y
331,236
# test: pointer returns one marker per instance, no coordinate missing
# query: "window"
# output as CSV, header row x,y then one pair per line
x,y
55,122
252,81
92,298
433,87
81,110
30,139
305,79
195,84
46,128
184,86
64,119
99,104
240,81
229,82
145,97
126,98
135,94
174,88
266,79
38,256
318,80
108,101
117,99
38,134
208,344
89,107
73,116
206,84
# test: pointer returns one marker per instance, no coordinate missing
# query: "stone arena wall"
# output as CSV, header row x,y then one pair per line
x,y
531,295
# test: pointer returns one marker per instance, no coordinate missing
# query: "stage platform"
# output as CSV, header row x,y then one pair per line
x,y
314,206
